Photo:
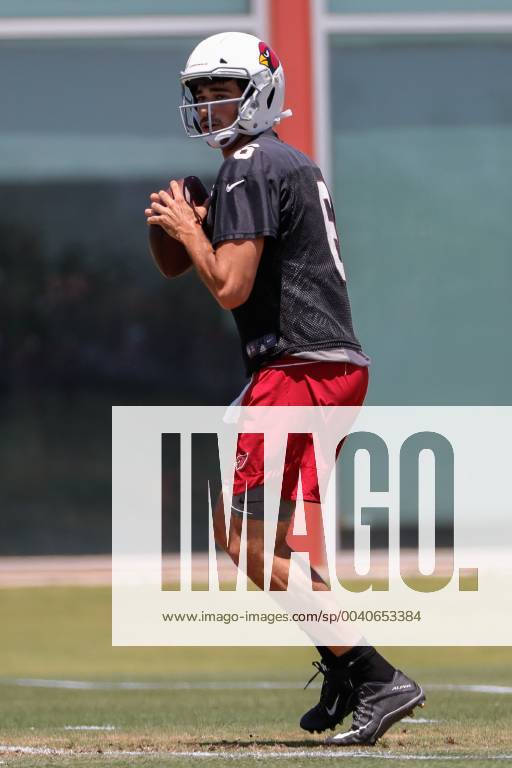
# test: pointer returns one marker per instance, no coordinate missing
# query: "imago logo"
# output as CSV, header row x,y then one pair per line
x,y
389,523
385,505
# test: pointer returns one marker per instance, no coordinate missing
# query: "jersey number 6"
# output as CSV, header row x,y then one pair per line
x,y
246,152
330,227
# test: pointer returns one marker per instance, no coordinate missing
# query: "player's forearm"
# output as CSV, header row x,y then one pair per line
x,y
203,256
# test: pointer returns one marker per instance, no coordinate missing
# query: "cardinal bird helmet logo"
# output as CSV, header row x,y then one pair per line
x,y
268,58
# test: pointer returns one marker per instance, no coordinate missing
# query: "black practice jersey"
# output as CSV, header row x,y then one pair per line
x,y
299,300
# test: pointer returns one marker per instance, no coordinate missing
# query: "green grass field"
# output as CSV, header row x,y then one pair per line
x,y
63,634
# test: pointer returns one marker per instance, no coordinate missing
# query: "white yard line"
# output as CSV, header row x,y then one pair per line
x,y
90,685
497,689
418,720
89,728
206,685
34,750
254,754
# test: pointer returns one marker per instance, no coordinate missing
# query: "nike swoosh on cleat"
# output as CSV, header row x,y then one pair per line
x,y
333,710
340,736
229,187
394,715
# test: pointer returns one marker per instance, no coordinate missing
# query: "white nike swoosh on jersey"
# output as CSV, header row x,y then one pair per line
x,y
333,710
229,187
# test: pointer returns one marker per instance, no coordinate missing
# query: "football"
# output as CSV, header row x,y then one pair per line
x,y
170,255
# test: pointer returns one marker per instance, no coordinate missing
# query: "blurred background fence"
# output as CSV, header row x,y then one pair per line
x,y
409,106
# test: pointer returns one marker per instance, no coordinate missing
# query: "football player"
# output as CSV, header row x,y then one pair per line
x,y
267,249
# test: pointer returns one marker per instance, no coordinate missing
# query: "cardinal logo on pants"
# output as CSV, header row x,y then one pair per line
x,y
241,461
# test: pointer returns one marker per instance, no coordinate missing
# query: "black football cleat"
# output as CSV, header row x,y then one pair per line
x,y
377,707
336,700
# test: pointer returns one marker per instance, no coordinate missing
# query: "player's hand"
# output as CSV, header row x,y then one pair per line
x,y
200,211
173,214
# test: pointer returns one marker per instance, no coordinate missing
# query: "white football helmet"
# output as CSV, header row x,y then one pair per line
x,y
243,57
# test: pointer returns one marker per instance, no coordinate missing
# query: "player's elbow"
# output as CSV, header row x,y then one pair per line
x,y
232,296
230,301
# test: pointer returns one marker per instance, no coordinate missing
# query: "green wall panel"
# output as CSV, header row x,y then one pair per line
x,y
119,7
95,109
422,137
418,6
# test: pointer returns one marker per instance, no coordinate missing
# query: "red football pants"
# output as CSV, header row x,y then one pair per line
x,y
306,384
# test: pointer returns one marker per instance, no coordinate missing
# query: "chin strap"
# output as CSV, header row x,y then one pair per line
x,y
223,139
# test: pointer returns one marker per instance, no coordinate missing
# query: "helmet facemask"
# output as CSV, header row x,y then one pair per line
x,y
189,111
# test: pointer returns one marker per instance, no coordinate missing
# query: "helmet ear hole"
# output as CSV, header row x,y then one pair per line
x,y
270,97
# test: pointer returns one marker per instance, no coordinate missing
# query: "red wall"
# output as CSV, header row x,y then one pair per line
x,y
290,36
